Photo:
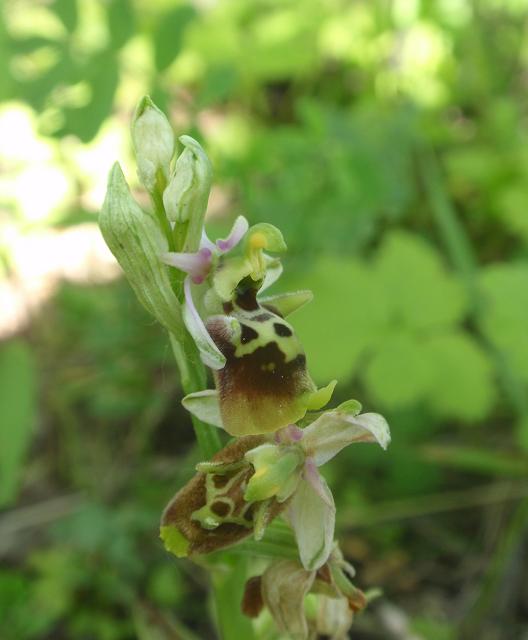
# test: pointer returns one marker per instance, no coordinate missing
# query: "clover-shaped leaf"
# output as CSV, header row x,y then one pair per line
x,y
421,294
347,317
461,377
399,373
504,318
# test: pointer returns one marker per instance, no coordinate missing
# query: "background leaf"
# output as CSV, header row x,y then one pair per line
x,y
169,34
18,406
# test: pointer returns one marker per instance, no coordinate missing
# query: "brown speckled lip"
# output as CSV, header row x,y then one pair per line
x,y
192,497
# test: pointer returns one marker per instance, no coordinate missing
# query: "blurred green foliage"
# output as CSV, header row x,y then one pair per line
x,y
19,412
388,140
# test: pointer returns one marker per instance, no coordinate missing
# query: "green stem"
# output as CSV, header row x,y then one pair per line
x,y
194,378
228,582
228,586
159,210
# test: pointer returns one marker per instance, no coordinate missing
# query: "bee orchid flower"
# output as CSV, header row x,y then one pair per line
x,y
210,263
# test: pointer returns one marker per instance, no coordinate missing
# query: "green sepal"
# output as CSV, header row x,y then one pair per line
x,y
350,407
287,303
316,400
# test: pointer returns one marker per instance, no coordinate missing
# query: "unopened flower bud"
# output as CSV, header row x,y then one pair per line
x,y
334,617
186,197
284,586
136,241
153,140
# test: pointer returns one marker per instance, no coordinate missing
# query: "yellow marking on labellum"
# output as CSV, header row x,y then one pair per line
x,y
258,241
174,540
266,332
220,507
265,384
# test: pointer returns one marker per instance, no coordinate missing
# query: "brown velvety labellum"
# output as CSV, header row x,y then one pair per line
x,y
192,497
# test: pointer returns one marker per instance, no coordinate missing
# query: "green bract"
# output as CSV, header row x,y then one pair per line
x,y
137,242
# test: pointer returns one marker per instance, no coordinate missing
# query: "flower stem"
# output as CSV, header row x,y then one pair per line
x,y
193,378
228,586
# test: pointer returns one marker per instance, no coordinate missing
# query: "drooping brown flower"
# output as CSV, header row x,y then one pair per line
x,y
210,512
283,589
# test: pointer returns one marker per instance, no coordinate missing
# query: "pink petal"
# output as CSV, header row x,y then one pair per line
x,y
291,433
205,242
236,234
312,517
209,352
197,265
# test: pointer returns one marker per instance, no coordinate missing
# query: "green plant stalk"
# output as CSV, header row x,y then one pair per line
x,y
228,585
159,210
193,378
228,582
